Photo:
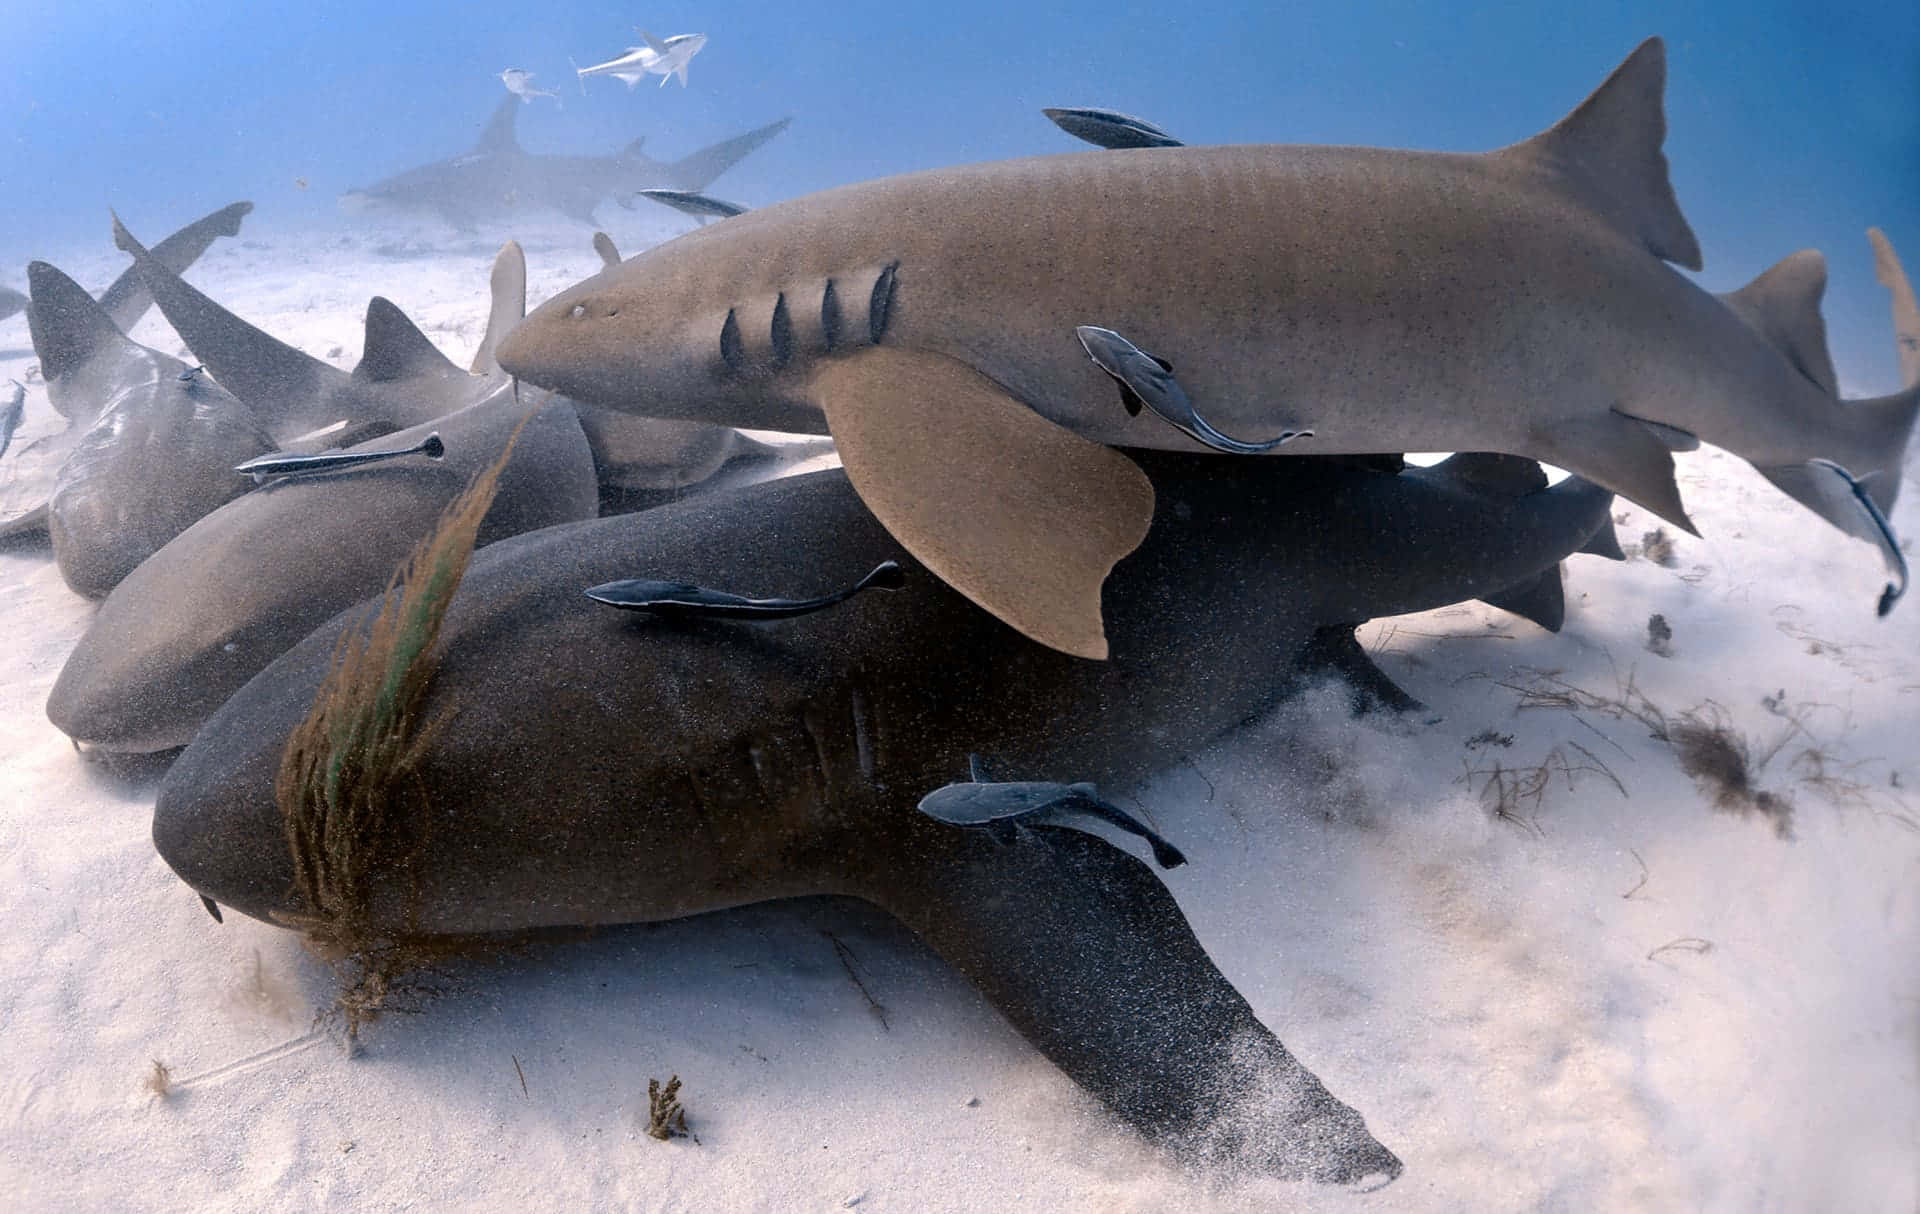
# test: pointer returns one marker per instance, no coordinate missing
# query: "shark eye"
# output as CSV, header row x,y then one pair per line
x,y
579,310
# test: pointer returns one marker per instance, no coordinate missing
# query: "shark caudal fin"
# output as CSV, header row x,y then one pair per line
x,y
697,171
1856,498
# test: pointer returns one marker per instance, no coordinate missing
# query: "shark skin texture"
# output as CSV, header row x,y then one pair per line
x,y
497,179
1523,301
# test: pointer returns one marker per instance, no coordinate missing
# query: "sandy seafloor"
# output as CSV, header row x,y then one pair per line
x,y
1621,998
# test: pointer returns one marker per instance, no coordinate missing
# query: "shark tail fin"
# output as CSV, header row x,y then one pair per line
x,y
1607,153
67,326
694,172
1858,498
127,300
1906,310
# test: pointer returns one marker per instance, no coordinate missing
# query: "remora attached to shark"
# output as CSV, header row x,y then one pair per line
x,y
613,768
1518,301
498,179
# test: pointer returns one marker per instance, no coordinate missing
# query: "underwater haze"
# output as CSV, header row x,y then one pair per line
x,y
1792,125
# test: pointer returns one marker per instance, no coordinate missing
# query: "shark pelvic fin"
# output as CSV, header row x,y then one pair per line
x,y
1605,542
67,326
1019,514
1607,152
507,286
1906,310
1616,452
1783,306
396,348
1540,598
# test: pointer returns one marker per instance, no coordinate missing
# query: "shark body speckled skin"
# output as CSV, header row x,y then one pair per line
x,y
1518,301
615,768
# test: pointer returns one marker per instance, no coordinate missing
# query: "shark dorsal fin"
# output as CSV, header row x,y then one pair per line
x,y
1906,310
1783,306
498,135
1608,153
508,288
634,150
67,326
396,348
609,252
260,369
1512,475
127,299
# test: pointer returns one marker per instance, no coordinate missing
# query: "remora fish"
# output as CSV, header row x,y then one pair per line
x,y
684,601
1515,301
235,590
609,774
154,457
1001,806
662,57
475,187
520,83
1109,128
700,206
267,467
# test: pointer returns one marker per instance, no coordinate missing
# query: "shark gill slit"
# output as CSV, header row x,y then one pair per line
x,y
780,333
830,316
880,302
732,352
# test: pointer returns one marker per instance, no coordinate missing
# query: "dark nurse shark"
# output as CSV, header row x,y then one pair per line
x,y
235,590
608,767
51,424
499,180
157,453
1523,300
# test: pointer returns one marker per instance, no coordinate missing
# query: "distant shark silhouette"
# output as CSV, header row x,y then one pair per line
x,y
499,178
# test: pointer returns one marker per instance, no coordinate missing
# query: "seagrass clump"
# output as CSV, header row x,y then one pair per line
x,y
350,795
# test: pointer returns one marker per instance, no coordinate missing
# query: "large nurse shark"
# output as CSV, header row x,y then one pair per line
x,y
583,765
498,179
978,340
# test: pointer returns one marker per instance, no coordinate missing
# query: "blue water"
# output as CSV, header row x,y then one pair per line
x,y
1792,124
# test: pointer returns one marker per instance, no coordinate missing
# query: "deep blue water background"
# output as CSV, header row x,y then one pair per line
x,y
1791,124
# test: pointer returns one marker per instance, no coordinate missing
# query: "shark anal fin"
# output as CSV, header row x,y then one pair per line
x,y
1605,542
1087,955
1540,598
1019,514
1335,650
1616,452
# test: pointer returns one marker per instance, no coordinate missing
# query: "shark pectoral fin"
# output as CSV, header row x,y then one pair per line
x,y
1087,955
1616,452
1019,514
1540,599
508,288
1605,542
1834,494
1335,650
1673,438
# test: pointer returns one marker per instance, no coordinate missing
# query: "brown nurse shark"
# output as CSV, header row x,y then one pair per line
x,y
587,766
1519,300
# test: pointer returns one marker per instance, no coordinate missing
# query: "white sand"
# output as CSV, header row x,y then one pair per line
x,y
1491,994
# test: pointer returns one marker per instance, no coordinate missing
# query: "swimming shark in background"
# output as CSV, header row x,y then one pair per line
x,y
660,58
1522,300
499,179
